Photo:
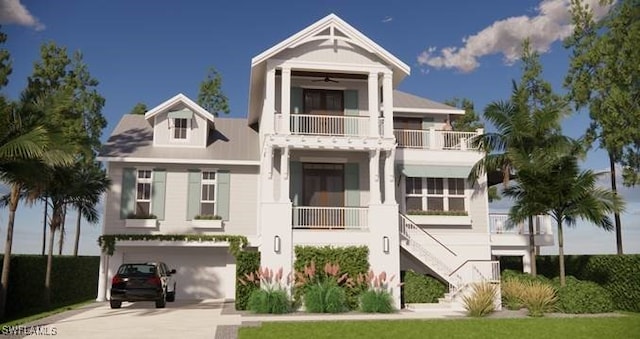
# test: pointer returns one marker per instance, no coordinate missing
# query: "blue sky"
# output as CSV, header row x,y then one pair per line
x,y
147,51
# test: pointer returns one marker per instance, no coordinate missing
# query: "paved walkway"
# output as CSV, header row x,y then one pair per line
x,y
186,319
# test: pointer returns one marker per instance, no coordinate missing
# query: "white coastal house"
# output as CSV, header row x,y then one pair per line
x,y
330,153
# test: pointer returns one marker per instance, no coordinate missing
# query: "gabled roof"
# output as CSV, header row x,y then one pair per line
x,y
409,103
179,98
329,27
332,20
232,141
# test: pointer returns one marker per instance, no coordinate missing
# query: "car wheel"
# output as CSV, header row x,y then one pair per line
x,y
171,296
160,303
115,303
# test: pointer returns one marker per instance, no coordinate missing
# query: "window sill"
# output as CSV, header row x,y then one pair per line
x,y
460,220
213,224
141,223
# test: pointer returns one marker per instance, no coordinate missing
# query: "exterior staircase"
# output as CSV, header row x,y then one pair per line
x,y
456,270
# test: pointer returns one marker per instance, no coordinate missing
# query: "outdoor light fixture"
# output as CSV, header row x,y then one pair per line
x,y
276,244
385,244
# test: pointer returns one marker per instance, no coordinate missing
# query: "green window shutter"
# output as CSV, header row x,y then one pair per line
x,y
193,194
351,109
295,177
223,179
352,184
352,192
158,192
296,101
128,193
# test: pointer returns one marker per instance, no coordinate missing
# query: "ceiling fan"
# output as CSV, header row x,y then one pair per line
x,y
326,79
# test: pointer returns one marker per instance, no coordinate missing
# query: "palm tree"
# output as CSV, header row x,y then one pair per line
x,y
567,194
527,124
91,184
81,186
26,147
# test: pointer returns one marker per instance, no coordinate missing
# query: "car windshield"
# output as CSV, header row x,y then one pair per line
x,y
137,269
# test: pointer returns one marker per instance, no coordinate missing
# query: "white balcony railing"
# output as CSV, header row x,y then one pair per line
x,y
334,125
499,223
435,139
308,217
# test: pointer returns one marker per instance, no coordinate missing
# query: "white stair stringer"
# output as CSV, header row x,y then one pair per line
x,y
417,242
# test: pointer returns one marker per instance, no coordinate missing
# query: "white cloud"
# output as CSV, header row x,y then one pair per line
x,y
387,19
551,22
13,12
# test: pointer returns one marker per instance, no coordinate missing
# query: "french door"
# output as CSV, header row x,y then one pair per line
x,y
323,188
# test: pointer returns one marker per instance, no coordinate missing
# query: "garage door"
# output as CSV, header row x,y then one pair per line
x,y
201,273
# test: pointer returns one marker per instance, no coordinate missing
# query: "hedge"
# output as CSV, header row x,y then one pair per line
x,y
579,296
246,262
420,288
73,280
353,260
616,273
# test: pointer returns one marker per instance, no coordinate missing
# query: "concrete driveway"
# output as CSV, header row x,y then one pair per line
x,y
180,319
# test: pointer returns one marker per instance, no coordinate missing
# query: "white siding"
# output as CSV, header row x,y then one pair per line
x,y
325,51
242,210
196,134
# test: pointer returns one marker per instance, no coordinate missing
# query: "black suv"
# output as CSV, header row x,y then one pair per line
x,y
151,281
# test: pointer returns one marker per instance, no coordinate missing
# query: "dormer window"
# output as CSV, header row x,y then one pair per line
x,y
180,123
180,128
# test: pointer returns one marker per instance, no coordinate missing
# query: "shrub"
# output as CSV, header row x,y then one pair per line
x,y
269,301
325,297
481,301
377,299
583,297
616,273
323,291
373,301
512,291
423,212
353,260
141,216
419,288
538,298
271,297
619,275
207,217
246,262
26,282
523,277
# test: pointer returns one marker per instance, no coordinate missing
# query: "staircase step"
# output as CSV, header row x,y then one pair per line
x,y
423,307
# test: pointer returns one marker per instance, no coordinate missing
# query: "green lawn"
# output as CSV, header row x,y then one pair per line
x,y
539,328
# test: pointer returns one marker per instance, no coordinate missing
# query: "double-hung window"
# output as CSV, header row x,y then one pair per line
x,y
143,192
180,128
435,194
208,197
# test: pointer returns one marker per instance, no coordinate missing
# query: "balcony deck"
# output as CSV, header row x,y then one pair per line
x,y
504,232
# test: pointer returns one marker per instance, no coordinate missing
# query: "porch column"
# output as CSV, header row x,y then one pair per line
x,y
102,277
374,109
267,182
387,97
284,175
285,103
374,177
389,178
269,109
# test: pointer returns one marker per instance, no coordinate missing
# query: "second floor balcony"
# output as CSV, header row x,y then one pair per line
x,y
436,139
328,125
